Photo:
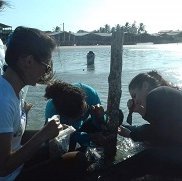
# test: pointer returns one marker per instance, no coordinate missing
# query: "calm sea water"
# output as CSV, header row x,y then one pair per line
x,y
70,65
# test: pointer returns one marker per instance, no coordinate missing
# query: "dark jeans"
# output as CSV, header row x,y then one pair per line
x,y
70,166
154,161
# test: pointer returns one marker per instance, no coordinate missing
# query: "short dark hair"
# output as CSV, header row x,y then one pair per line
x,y
28,41
68,99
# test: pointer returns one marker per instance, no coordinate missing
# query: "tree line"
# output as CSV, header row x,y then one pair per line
x,y
132,28
128,28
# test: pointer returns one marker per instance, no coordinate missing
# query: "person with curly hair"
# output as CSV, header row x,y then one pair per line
x,y
67,100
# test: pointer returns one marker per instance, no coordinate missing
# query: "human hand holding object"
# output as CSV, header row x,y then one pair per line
x,y
122,131
52,128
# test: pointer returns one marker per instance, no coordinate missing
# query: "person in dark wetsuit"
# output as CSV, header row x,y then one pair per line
x,y
160,104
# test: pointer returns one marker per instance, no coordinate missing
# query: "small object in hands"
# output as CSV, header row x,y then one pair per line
x,y
63,139
55,117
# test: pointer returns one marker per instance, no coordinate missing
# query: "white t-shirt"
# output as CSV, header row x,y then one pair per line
x,y
12,119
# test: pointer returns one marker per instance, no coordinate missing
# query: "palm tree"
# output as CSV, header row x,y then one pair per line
x,y
3,4
113,29
107,28
118,27
126,27
133,28
141,28
102,30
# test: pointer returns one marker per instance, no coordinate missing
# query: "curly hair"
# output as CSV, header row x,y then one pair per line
x,y
68,99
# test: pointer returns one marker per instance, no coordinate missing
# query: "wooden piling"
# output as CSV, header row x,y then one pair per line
x,y
114,92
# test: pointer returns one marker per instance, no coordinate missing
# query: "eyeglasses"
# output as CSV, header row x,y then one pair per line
x,y
48,75
48,67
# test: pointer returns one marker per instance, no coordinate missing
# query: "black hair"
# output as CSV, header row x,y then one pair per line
x,y
29,41
152,77
26,41
68,99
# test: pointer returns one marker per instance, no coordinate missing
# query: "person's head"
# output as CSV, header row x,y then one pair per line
x,y
143,83
29,53
68,100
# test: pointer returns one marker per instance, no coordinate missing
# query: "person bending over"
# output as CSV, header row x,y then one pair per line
x,y
67,100
28,57
159,102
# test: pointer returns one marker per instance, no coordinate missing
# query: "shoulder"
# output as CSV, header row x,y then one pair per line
x,y
91,94
86,88
50,104
8,111
8,97
83,86
164,92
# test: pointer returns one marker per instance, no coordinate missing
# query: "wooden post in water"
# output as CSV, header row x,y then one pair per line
x,y
114,92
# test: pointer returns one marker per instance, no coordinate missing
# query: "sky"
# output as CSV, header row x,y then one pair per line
x,y
90,15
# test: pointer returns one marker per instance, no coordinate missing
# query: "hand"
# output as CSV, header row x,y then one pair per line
x,y
52,128
97,110
27,107
65,126
122,131
134,106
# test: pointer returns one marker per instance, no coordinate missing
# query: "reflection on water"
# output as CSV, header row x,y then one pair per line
x,y
90,67
127,148
70,65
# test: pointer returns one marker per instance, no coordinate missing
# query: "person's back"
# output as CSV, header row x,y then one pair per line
x,y
163,109
87,123
91,98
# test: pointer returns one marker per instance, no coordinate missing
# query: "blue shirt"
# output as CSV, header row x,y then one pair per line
x,y
92,98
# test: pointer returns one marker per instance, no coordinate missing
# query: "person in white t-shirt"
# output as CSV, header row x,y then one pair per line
x,y
28,56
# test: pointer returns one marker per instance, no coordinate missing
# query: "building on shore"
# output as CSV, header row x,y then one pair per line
x,y
5,30
64,38
68,39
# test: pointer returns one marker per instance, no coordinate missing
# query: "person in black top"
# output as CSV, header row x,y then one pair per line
x,y
160,104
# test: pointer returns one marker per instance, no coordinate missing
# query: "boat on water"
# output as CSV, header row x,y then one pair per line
x,y
90,58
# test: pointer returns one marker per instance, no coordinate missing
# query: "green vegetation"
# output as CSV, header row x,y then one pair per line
x,y
128,28
3,4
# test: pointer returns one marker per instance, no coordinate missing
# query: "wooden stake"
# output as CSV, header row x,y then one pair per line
x,y
114,79
114,94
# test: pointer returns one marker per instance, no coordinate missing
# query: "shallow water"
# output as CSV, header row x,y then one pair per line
x,y
70,65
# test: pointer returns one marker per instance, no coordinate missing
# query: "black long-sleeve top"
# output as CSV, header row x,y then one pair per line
x,y
164,115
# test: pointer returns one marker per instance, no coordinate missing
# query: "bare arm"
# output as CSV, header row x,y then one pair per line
x,y
11,160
